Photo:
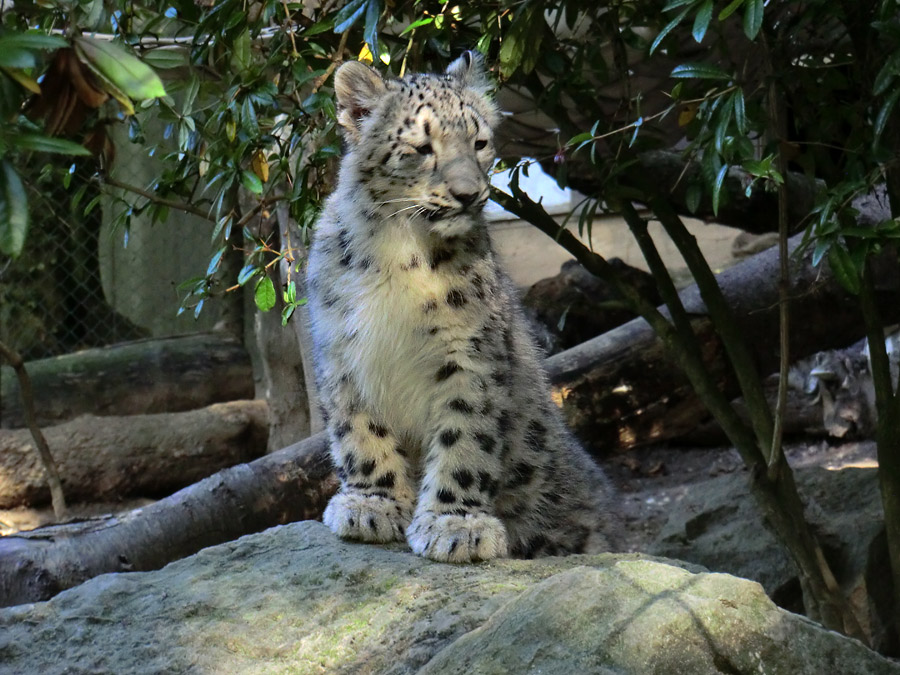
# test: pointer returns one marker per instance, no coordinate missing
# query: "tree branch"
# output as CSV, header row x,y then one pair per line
x,y
56,492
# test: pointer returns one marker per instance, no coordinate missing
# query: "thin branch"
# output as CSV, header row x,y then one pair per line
x,y
335,58
156,199
784,283
25,391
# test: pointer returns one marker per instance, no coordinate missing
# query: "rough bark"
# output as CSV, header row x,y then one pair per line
x,y
292,270
145,376
108,458
292,484
283,380
621,389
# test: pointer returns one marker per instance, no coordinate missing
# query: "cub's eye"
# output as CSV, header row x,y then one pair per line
x,y
425,149
480,145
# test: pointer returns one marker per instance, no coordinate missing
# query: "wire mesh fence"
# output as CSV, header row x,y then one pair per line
x,y
71,288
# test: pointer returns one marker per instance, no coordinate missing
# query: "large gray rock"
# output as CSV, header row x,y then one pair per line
x,y
718,525
296,600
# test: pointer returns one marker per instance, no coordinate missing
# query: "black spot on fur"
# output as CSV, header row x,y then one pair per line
x,y
446,497
342,429
440,256
472,503
503,422
522,474
378,429
427,128
448,437
464,477
460,405
447,370
372,525
536,436
386,158
386,481
456,298
486,442
429,306
485,482
367,467
411,265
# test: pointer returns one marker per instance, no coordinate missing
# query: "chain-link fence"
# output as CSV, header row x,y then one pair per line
x,y
77,285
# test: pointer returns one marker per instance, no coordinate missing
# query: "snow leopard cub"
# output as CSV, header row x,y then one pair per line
x,y
439,416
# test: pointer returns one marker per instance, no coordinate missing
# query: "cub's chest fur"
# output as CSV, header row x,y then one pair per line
x,y
400,321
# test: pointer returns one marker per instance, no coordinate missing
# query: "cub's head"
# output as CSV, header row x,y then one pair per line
x,y
422,145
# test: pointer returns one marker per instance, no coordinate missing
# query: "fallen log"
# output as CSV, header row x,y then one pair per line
x,y
108,458
145,376
291,484
621,389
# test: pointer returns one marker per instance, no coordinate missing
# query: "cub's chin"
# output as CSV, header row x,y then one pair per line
x,y
454,225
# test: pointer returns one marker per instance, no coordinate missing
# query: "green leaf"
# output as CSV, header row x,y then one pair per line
x,y
740,112
264,294
580,138
32,41
11,57
41,143
521,44
14,215
165,58
730,9
717,188
123,69
370,32
701,21
753,18
349,15
886,74
247,273
240,53
214,261
699,71
843,268
668,29
416,24
286,314
884,114
692,197
252,182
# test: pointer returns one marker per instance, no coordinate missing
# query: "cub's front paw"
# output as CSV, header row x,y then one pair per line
x,y
366,518
455,538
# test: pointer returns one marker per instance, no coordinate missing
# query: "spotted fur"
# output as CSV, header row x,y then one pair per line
x,y
439,416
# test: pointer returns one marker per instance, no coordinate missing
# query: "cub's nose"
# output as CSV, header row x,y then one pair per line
x,y
465,198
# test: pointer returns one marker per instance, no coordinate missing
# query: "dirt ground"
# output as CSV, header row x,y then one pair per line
x,y
651,479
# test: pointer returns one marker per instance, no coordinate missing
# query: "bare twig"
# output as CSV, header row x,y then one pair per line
x,y
783,285
56,492
336,58
156,199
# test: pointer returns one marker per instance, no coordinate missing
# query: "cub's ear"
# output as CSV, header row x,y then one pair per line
x,y
358,89
468,70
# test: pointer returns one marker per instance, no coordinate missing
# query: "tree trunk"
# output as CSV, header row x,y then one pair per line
x,y
621,390
292,484
107,458
292,270
145,376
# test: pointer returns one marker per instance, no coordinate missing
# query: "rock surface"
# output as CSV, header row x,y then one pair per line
x,y
294,599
